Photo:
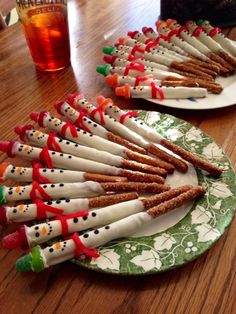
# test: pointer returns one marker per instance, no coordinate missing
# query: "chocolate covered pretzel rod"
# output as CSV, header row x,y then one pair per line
x,y
215,47
144,130
80,119
110,123
117,80
156,92
183,33
40,259
26,237
45,175
123,62
216,34
74,190
64,146
42,210
65,161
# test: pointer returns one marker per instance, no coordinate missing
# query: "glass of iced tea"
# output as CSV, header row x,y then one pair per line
x,y
46,30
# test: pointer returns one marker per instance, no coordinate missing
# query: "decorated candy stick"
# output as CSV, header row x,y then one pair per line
x,y
141,128
74,190
110,123
202,36
115,61
26,237
65,161
39,259
65,146
70,132
41,210
155,92
182,31
216,34
117,80
44,175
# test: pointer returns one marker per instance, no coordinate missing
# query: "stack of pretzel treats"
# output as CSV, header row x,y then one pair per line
x,y
176,61
89,171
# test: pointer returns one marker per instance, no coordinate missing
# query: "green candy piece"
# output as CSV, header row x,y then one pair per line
x,y
2,195
37,260
108,50
32,261
103,69
24,263
200,22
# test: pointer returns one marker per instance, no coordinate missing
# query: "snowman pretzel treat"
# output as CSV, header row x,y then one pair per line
x,y
39,259
98,115
140,127
62,225
39,210
64,146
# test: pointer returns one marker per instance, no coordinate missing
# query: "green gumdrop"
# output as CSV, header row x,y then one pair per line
x,y
103,69
37,260
2,195
108,50
200,22
24,263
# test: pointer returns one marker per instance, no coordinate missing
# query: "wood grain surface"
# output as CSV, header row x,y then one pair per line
x,y
206,285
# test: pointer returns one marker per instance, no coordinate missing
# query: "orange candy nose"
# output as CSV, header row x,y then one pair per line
x,y
112,80
123,91
3,168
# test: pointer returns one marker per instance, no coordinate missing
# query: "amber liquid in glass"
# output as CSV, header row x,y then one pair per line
x,y
46,32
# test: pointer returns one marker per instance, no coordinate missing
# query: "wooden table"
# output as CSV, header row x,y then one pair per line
x,y
206,285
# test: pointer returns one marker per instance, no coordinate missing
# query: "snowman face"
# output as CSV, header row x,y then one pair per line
x,y
70,111
56,121
138,88
37,135
175,25
18,170
163,29
191,25
207,25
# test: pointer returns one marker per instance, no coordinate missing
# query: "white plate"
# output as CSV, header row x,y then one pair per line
x,y
211,101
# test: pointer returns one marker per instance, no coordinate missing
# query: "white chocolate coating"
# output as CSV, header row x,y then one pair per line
x,y
123,62
204,38
183,44
194,42
55,191
112,125
22,174
221,39
64,250
134,124
83,137
131,81
64,161
45,231
28,212
41,139
169,92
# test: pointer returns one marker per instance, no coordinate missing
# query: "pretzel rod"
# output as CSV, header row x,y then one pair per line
x,y
116,127
196,161
218,36
117,80
176,201
157,92
43,210
116,61
56,125
192,75
206,70
42,139
209,42
39,259
191,69
140,127
134,186
75,134
206,65
183,32
81,120
212,87
44,175
65,161
26,237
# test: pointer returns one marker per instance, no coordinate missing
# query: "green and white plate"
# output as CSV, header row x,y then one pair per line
x,y
185,233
